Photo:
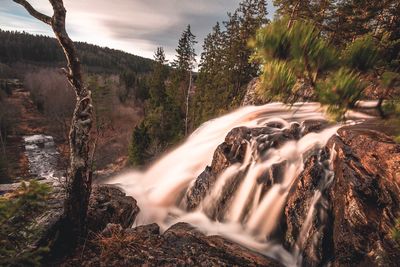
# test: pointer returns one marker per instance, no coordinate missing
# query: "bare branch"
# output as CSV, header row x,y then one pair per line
x,y
33,12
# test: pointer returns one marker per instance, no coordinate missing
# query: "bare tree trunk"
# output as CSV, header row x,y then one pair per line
x,y
79,176
187,102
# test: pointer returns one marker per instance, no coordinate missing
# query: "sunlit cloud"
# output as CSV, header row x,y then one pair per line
x,y
135,26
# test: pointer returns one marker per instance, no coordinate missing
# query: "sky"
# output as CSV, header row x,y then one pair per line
x,y
134,26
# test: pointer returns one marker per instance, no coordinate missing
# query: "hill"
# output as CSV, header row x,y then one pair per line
x,y
21,47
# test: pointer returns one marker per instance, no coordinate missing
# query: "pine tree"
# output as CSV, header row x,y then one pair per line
x,y
184,63
159,75
210,80
185,53
225,68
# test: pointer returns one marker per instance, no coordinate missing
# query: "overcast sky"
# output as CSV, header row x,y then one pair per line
x,y
135,26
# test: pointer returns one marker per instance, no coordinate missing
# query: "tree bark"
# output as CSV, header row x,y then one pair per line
x,y
79,177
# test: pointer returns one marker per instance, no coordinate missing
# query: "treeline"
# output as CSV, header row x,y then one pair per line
x,y
225,69
179,99
17,47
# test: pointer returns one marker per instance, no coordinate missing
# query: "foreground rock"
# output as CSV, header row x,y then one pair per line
x,y
109,205
354,222
180,245
356,212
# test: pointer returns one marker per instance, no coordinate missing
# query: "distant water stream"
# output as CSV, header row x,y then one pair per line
x,y
42,156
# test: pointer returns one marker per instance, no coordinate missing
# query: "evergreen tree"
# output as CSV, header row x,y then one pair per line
x,y
225,69
159,75
185,53
184,63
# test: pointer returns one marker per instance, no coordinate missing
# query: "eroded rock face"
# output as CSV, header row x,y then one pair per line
x,y
365,198
180,245
356,211
109,205
354,220
233,151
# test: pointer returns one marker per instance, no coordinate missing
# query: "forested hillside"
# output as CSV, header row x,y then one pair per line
x,y
35,49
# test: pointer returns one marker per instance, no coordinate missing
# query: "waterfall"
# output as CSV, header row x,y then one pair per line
x,y
251,215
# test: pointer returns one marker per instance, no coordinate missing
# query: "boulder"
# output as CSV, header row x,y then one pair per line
x,y
110,205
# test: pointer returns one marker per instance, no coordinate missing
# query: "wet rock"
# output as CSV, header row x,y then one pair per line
x,y
109,205
180,245
357,201
233,150
353,221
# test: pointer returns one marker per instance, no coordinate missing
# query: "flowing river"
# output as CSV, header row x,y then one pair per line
x,y
251,217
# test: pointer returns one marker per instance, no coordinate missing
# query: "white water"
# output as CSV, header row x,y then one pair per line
x,y
159,189
42,156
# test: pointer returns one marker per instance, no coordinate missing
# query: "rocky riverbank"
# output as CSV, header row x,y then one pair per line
x,y
351,223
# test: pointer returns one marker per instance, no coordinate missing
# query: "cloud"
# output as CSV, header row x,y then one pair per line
x,y
135,26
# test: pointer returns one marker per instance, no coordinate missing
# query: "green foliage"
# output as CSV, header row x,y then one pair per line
x,y
390,79
23,47
225,68
290,54
340,91
392,107
17,227
185,53
161,126
271,42
310,49
277,81
139,143
361,54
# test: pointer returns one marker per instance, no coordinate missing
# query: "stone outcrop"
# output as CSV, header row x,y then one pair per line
x,y
302,93
109,205
357,210
180,245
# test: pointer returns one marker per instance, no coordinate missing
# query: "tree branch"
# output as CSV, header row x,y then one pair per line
x,y
33,12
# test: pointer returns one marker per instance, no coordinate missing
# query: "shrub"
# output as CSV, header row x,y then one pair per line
x,y
361,54
340,91
277,81
309,48
17,228
271,42
139,143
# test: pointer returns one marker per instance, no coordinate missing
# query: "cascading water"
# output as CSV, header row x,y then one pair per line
x,y
252,213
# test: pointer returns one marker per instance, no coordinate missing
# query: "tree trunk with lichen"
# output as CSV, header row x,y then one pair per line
x,y
72,226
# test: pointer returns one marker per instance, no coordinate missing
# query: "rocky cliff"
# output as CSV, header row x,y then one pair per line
x,y
356,209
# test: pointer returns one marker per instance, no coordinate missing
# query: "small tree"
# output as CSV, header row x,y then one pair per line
x,y
18,230
301,52
139,143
